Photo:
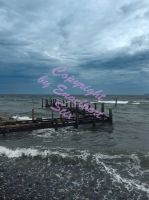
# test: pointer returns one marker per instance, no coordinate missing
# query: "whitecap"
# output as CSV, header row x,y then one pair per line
x,y
20,118
112,102
128,183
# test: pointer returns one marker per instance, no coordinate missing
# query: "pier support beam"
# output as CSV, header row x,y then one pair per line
x,y
42,103
94,118
46,103
102,107
56,125
52,116
110,115
33,114
50,102
116,102
76,120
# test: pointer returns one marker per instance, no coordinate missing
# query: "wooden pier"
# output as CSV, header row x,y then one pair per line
x,y
80,117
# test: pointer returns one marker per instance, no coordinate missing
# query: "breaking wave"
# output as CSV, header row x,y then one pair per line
x,y
20,118
102,161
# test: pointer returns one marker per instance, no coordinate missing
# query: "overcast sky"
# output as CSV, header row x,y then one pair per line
x,y
104,43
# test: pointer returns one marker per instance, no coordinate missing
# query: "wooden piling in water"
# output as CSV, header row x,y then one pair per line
x,y
102,107
42,103
116,102
50,102
94,118
110,115
46,103
95,106
76,117
52,115
56,125
33,114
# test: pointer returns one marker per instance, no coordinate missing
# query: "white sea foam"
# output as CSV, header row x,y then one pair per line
x,y
20,118
113,102
10,153
104,156
19,152
140,102
129,183
136,161
44,133
116,177
123,102
136,103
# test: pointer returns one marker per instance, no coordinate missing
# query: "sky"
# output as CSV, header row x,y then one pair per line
x,y
103,43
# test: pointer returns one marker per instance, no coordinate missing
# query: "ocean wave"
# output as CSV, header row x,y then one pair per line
x,y
88,158
140,102
20,118
19,152
136,103
113,102
123,102
127,182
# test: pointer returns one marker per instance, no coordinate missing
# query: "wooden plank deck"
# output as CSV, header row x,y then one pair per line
x,y
18,126
80,117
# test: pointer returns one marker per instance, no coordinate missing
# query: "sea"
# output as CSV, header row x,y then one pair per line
x,y
106,162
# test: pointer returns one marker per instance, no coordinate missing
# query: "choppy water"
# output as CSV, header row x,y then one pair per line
x,y
109,162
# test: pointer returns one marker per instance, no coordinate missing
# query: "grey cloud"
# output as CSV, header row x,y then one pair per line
x,y
86,35
133,6
67,28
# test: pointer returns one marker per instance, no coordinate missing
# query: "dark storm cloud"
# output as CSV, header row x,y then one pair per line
x,y
127,62
95,38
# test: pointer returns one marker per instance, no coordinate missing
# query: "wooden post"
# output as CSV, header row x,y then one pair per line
x,y
52,115
63,121
76,120
42,103
61,117
46,103
33,114
102,107
50,102
116,102
56,125
84,112
94,118
95,106
110,115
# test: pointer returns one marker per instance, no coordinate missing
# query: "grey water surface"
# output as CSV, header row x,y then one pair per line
x,y
107,162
